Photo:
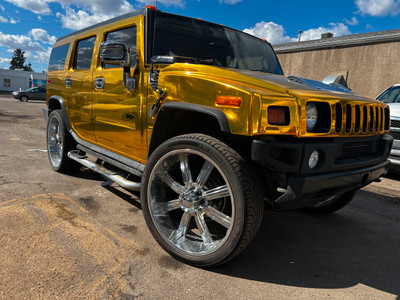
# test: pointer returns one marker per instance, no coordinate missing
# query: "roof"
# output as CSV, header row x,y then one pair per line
x,y
341,41
119,18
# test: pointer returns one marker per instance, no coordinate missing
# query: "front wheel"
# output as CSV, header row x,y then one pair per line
x,y
331,204
24,99
200,200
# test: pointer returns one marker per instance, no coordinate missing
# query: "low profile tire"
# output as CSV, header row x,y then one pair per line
x,y
59,142
200,200
331,204
24,99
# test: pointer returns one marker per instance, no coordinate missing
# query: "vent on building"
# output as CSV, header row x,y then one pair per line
x,y
326,35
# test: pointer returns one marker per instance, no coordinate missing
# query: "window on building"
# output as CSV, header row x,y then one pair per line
x,y
7,82
84,53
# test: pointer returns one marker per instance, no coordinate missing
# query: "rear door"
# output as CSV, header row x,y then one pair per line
x,y
78,84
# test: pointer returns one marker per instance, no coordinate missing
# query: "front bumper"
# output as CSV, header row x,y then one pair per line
x,y
345,164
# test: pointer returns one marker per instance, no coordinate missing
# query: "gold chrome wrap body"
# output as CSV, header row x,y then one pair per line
x,y
117,119
202,84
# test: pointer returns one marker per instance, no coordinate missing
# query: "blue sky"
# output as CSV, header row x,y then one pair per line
x,y
34,25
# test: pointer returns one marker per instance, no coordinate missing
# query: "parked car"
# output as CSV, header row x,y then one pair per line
x,y
391,96
35,93
200,119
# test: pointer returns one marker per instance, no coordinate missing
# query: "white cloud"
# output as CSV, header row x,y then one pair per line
x,y
41,35
79,19
378,8
90,12
11,41
41,57
338,29
272,32
9,20
39,7
275,33
352,22
230,1
2,8
5,60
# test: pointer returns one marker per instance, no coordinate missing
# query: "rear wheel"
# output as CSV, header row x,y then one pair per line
x,y
331,204
200,200
59,142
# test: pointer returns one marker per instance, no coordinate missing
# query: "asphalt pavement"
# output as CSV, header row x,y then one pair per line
x,y
68,237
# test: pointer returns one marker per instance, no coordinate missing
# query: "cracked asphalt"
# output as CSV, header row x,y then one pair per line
x,y
67,237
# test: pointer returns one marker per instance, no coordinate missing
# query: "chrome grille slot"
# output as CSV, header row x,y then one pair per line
x,y
358,119
348,118
376,119
365,119
338,117
381,118
371,119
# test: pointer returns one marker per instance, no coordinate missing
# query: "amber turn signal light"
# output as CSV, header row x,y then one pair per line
x,y
278,115
232,101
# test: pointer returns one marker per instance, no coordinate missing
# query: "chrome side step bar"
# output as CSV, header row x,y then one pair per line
x,y
126,184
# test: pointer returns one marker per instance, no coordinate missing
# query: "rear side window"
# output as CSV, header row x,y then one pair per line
x,y
84,53
126,36
58,57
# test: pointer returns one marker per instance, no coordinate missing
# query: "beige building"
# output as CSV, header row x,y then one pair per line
x,y
370,62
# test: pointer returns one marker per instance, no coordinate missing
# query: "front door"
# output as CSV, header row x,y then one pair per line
x,y
117,111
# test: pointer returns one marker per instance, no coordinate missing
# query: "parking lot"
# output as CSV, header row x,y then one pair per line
x,y
68,237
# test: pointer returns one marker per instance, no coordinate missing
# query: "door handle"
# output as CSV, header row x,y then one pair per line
x,y
68,82
99,83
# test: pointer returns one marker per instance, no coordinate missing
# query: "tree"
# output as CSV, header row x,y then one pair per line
x,y
18,61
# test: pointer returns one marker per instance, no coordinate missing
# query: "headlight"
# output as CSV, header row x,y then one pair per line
x,y
311,116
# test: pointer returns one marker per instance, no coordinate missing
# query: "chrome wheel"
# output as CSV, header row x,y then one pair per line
x,y
59,142
55,142
191,201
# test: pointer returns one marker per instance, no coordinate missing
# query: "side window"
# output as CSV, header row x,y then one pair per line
x,y
126,36
58,57
84,53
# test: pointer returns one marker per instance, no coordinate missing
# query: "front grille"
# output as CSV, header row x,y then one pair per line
x,y
355,149
359,119
395,123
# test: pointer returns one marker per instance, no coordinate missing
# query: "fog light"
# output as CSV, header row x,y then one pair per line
x,y
313,160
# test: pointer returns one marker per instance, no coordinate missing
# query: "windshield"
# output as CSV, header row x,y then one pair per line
x,y
212,44
391,95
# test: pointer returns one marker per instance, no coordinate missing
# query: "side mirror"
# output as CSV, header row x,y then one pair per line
x,y
115,53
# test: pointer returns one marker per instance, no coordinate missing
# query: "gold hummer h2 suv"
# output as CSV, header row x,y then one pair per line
x,y
199,118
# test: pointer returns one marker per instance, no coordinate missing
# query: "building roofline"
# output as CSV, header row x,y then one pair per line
x,y
341,41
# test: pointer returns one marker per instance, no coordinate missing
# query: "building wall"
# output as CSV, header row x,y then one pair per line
x,y
369,68
12,80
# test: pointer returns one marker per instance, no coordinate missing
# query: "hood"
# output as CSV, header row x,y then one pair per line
x,y
252,80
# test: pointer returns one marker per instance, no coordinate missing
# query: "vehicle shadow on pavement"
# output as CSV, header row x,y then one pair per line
x,y
353,246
